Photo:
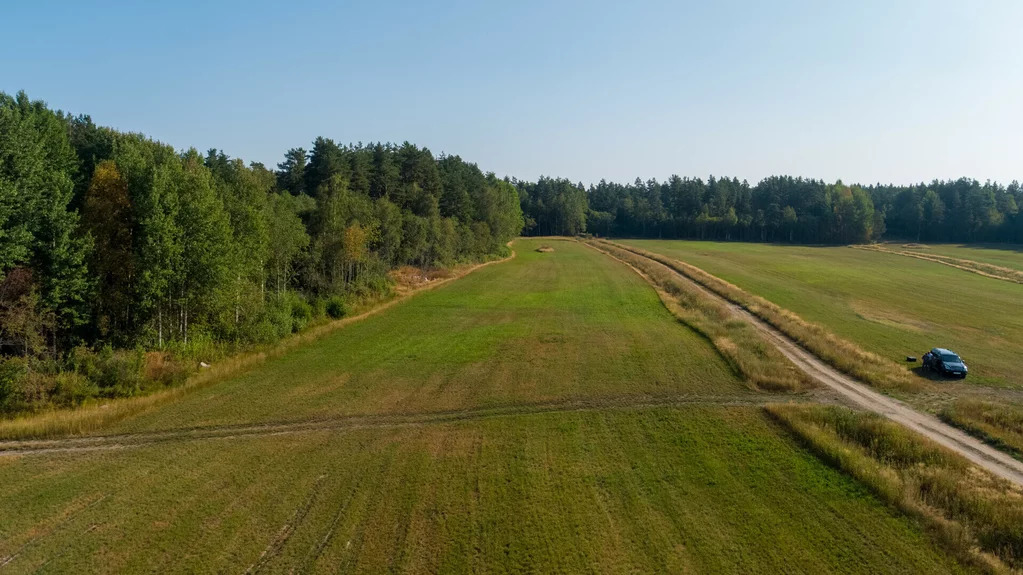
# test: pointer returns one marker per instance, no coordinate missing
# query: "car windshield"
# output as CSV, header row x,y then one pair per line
x,y
949,358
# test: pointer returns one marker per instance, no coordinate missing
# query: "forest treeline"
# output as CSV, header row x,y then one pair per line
x,y
113,245
777,209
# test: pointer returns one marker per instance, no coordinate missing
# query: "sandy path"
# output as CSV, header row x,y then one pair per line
x,y
866,398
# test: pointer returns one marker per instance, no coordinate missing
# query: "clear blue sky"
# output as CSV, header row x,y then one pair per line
x,y
866,91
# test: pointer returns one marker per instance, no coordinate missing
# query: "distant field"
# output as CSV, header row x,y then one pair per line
x,y
1008,255
609,485
889,304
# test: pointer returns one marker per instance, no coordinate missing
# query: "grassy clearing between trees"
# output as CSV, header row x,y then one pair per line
x,y
540,328
975,515
890,305
653,490
616,487
737,341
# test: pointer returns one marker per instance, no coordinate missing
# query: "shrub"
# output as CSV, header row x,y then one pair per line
x,y
336,307
119,372
301,312
71,389
13,372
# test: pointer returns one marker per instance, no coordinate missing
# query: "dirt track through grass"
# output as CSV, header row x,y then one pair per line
x,y
863,397
142,439
979,268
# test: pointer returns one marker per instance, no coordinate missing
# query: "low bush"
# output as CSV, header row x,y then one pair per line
x,y
336,307
72,389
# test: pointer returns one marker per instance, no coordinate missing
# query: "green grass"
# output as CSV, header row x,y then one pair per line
x,y
888,304
608,483
652,490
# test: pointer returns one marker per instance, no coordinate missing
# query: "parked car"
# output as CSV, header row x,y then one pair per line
x,y
945,362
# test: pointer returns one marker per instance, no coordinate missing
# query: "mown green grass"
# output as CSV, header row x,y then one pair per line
x,y
567,325
889,304
650,490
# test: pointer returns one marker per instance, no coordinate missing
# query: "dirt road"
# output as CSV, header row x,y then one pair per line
x,y
860,395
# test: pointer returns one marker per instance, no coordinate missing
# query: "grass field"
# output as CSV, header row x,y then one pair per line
x,y
889,304
1005,255
596,472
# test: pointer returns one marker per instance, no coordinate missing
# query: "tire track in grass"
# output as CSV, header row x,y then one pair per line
x,y
983,269
134,440
860,395
66,547
4,561
277,544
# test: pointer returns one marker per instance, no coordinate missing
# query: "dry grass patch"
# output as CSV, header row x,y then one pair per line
x,y
996,423
545,249
840,353
737,341
978,516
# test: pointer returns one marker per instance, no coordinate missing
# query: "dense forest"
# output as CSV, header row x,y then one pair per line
x,y
777,209
113,245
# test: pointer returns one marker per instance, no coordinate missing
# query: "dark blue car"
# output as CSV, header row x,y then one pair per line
x,y
945,362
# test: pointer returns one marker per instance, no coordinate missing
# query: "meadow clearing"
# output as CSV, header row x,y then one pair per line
x,y
578,426
891,305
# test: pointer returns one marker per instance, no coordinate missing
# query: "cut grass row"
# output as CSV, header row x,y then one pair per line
x,y
980,268
1002,255
974,514
737,341
840,353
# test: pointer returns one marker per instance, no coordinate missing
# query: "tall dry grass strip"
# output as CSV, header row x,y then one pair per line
x,y
976,515
840,353
999,424
735,340
91,418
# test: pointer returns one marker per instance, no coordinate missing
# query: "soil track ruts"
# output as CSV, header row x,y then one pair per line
x,y
863,397
130,440
987,270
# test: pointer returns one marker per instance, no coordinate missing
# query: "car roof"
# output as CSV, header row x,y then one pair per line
x,y
943,350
